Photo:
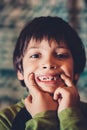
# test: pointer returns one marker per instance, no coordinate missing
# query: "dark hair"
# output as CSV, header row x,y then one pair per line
x,y
51,28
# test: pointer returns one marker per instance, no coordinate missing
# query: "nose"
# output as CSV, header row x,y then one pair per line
x,y
49,66
49,63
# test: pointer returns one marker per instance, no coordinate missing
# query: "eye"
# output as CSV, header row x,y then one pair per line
x,y
62,56
35,55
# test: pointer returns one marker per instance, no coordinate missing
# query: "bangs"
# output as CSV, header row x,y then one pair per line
x,y
48,34
49,28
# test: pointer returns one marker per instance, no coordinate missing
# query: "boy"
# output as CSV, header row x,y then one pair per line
x,y
48,58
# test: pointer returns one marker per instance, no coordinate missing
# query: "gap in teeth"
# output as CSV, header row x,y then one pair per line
x,y
48,78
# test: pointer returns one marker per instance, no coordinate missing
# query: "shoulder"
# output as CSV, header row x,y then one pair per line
x,y
8,114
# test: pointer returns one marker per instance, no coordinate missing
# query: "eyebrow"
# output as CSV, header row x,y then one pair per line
x,y
33,47
36,47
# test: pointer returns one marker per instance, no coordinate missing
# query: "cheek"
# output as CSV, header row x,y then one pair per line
x,y
28,69
68,70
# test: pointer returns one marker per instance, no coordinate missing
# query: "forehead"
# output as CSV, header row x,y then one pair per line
x,y
33,43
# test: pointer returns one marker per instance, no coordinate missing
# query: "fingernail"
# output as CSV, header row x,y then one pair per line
x,y
62,75
31,75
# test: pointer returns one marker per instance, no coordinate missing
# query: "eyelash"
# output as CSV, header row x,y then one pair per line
x,y
59,56
62,56
35,56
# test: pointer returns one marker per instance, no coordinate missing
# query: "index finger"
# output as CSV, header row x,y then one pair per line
x,y
67,80
33,87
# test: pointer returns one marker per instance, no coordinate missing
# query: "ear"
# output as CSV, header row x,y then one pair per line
x,y
20,75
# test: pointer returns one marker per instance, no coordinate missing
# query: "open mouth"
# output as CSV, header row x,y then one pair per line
x,y
48,78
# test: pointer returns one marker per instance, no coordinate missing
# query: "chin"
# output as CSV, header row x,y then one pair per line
x,y
48,90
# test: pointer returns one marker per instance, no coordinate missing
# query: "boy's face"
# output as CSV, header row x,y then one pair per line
x,y
47,61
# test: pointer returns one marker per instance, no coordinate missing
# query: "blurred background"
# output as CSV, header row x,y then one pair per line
x,y
14,14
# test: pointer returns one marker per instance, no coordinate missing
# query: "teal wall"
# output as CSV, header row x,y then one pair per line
x,y
13,15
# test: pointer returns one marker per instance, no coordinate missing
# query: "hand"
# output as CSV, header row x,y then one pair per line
x,y
66,95
38,100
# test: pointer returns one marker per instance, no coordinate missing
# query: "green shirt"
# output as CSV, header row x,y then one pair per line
x,y
68,119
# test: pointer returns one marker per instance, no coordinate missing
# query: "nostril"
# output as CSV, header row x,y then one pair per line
x,y
44,67
49,67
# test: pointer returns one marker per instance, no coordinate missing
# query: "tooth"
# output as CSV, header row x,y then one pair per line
x,y
48,78
55,78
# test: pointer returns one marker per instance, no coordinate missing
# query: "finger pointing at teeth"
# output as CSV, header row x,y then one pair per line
x,y
67,80
33,87
66,96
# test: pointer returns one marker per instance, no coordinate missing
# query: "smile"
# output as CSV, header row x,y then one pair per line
x,y
48,78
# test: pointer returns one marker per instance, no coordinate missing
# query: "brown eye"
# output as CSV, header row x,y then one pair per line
x,y
62,56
